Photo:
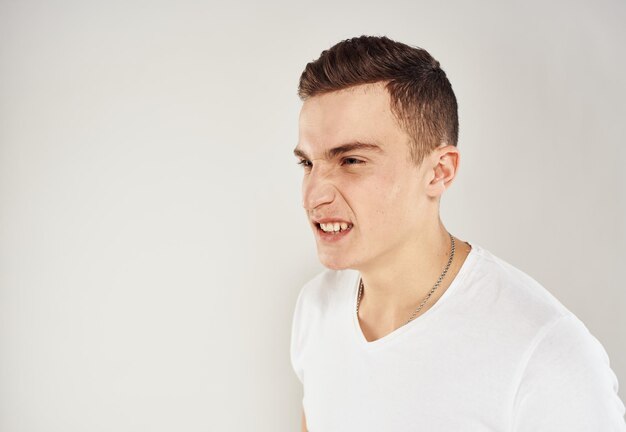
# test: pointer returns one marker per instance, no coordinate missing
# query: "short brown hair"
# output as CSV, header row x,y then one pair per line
x,y
421,96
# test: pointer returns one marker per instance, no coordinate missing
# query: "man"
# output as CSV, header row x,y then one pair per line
x,y
410,328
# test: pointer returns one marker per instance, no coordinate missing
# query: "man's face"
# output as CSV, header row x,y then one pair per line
x,y
358,177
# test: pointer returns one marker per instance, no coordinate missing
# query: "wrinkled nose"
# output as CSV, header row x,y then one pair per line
x,y
317,190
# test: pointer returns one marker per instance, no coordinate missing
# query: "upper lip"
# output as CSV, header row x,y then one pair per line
x,y
329,219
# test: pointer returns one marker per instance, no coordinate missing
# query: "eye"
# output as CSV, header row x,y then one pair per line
x,y
304,163
352,161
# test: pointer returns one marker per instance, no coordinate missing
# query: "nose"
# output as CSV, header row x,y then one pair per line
x,y
317,188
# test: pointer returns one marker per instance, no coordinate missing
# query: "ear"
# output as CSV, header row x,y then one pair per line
x,y
443,166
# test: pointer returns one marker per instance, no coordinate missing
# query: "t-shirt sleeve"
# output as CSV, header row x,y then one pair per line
x,y
297,337
567,384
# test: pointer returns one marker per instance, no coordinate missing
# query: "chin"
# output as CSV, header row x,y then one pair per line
x,y
333,262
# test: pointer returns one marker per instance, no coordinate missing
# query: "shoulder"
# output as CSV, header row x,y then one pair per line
x,y
562,377
565,342
317,299
325,289
565,382
511,295
502,308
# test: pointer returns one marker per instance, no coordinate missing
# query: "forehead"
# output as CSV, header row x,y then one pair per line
x,y
360,113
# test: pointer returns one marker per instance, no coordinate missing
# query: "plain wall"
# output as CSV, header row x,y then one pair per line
x,y
152,240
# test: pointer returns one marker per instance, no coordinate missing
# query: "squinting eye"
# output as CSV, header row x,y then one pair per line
x,y
352,161
305,163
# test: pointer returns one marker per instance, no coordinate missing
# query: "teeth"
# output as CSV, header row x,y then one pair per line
x,y
335,226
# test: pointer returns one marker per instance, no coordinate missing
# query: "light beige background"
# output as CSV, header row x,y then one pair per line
x,y
152,242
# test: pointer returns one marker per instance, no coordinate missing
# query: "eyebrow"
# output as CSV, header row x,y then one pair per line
x,y
344,148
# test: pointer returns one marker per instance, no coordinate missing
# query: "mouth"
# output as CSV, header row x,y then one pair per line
x,y
333,231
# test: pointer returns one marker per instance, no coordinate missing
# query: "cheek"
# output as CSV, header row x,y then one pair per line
x,y
390,191
381,203
397,203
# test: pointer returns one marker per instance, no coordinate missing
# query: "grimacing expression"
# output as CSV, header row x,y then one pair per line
x,y
364,197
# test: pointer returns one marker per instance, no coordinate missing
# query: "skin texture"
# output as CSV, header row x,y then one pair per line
x,y
398,242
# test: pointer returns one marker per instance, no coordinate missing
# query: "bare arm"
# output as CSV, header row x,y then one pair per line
x,y
303,422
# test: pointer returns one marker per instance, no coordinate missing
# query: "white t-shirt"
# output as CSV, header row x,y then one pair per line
x,y
496,352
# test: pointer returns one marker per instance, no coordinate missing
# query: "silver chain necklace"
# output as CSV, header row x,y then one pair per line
x,y
445,270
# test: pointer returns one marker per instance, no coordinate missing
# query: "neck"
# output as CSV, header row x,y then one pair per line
x,y
399,281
